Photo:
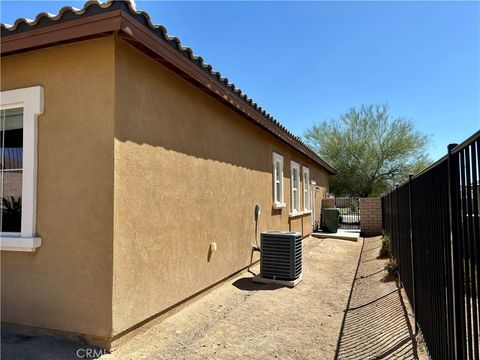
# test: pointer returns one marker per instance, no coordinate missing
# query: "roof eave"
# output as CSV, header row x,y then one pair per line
x,y
125,24
74,30
142,37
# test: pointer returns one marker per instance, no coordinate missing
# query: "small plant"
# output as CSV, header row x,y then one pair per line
x,y
353,207
386,249
11,214
391,266
12,206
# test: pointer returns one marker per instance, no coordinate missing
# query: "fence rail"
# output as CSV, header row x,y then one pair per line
x,y
433,222
349,212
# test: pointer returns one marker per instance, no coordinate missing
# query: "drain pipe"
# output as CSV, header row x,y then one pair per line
x,y
256,247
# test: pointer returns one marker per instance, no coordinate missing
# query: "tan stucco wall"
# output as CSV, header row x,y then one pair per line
x,y
188,172
138,172
66,284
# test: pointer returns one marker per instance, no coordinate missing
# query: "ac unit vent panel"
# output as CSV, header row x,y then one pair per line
x,y
281,256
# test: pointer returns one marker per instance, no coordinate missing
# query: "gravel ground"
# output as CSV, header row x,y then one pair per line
x,y
243,320
379,322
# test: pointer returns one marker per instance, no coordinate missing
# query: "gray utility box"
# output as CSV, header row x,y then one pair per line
x,y
281,255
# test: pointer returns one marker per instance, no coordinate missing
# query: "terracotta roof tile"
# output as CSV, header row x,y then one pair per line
x,y
94,7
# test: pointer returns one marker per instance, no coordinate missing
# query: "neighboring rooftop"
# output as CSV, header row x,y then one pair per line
x,y
115,16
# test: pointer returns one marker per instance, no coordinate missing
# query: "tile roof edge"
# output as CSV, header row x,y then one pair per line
x,y
23,24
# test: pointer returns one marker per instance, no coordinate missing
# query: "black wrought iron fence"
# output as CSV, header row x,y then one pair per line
x,y
349,212
433,222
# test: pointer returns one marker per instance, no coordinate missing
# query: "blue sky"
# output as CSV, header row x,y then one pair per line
x,y
310,61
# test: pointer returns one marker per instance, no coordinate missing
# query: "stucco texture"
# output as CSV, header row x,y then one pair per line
x,y
138,172
188,172
67,283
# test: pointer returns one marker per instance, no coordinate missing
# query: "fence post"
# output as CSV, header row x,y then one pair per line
x,y
456,339
398,254
392,233
412,251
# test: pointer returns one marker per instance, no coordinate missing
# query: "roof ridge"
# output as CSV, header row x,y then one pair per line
x,y
172,41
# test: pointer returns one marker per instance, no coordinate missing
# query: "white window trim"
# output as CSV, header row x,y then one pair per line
x,y
312,196
306,190
295,211
296,214
312,202
31,100
278,205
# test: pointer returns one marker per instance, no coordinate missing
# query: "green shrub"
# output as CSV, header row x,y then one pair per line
x,y
386,249
391,266
353,207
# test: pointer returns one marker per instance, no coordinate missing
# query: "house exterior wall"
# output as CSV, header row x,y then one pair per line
x,y
188,172
138,172
67,283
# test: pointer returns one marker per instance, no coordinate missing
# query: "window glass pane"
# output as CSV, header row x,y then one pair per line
x,y
305,190
295,200
11,158
277,173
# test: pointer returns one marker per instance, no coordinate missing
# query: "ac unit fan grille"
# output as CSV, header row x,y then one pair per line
x,y
281,256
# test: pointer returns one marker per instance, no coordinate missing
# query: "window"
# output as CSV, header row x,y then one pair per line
x,y
278,202
11,156
18,158
295,183
306,188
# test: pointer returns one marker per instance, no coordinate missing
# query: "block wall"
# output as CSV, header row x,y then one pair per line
x,y
328,203
371,216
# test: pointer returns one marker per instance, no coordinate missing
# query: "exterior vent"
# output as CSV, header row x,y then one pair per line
x,y
281,256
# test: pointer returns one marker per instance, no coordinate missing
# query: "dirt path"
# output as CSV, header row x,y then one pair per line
x,y
379,322
242,320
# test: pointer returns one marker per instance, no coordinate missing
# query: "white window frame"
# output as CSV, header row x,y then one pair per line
x,y
306,190
312,202
31,100
295,208
278,204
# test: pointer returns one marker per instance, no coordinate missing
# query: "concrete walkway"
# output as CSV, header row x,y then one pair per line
x,y
379,322
342,234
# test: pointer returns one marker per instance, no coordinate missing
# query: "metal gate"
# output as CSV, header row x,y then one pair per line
x,y
349,212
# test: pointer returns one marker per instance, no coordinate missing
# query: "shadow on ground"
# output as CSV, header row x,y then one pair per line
x,y
243,321
247,284
17,346
377,324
